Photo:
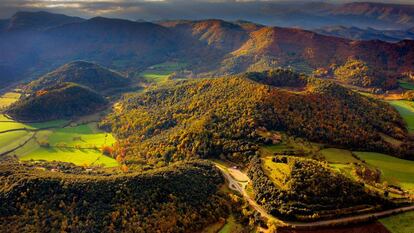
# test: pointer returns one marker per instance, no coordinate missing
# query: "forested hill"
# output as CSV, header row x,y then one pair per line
x,y
84,73
64,100
220,117
180,198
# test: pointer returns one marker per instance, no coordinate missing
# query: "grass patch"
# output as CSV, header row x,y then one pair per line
x,y
12,125
406,109
277,172
160,72
11,140
406,85
78,144
334,155
278,148
83,136
231,226
82,157
3,118
401,223
8,99
394,170
9,124
47,124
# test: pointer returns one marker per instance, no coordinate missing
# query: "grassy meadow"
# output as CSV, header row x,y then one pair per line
x,y
406,85
76,144
160,72
278,148
334,155
394,170
277,172
401,223
51,141
82,136
8,98
406,109
10,124
81,157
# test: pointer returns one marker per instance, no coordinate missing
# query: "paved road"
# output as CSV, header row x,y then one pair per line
x,y
240,188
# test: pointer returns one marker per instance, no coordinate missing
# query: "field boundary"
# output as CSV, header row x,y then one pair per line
x,y
19,146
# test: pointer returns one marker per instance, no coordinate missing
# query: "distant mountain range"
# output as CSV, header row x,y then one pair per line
x,y
33,44
311,15
356,33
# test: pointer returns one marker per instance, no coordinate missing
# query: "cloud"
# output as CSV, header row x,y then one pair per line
x,y
149,9
261,11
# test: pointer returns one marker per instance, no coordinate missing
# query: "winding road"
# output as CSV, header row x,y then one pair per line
x,y
239,185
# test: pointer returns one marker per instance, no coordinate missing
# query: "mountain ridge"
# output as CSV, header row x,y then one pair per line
x,y
210,47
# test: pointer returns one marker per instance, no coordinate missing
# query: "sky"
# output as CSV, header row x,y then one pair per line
x,y
149,9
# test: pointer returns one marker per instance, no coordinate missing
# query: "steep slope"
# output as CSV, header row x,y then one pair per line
x,y
306,50
109,40
84,73
65,100
219,117
204,43
181,198
215,33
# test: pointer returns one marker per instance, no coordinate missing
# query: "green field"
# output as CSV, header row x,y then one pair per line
x,y
406,109
231,226
11,140
9,98
160,72
84,136
406,85
76,144
277,172
9,124
269,150
82,157
401,223
334,155
394,170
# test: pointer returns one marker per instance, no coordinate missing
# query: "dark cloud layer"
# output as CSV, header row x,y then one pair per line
x,y
150,9
265,12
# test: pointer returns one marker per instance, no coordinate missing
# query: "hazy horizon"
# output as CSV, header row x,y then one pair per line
x,y
162,9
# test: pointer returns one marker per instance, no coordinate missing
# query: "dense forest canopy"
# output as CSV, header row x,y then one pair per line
x,y
180,198
358,73
220,117
313,190
64,100
83,73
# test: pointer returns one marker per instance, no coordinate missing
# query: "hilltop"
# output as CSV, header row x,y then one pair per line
x,y
220,117
64,100
84,73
